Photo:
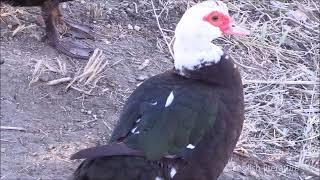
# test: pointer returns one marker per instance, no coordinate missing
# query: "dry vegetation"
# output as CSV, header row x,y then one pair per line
x,y
280,69
279,63
280,66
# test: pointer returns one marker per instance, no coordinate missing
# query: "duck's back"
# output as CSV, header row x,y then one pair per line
x,y
209,114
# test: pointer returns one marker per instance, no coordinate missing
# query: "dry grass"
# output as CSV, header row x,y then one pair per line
x,y
90,74
281,75
279,63
9,11
84,80
13,16
49,65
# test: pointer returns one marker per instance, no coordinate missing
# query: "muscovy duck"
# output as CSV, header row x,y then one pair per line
x,y
53,18
182,124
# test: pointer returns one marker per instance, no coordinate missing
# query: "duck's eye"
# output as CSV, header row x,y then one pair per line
x,y
215,18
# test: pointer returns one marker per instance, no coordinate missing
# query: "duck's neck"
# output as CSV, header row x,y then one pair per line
x,y
192,53
224,73
203,61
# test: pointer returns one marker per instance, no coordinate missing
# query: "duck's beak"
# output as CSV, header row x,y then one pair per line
x,y
236,30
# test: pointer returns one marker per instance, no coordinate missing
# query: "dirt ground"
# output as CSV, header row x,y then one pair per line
x,y
56,122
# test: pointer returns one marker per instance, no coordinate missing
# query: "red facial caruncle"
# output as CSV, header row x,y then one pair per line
x,y
225,23
219,20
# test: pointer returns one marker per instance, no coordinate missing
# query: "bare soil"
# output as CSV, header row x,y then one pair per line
x,y
57,122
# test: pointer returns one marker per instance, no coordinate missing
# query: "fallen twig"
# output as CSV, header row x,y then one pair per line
x,y
92,69
21,28
306,168
161,30
281,82
81,90
59,81
13,128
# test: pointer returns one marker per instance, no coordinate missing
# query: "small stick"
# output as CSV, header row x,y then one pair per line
x,y
306,168
115,63
159,26
90,121
59,81
21,28
12,128
80,90
108,127
284,82
106,124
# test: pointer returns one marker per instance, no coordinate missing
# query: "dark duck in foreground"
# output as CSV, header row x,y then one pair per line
x,y
182,124
53,18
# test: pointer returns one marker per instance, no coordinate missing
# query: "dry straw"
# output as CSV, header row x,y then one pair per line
x,y
279,63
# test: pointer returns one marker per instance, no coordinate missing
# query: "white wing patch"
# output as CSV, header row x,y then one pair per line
x,y
155,103
169,99
170,156
134,130
190,146
173,172
158,178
